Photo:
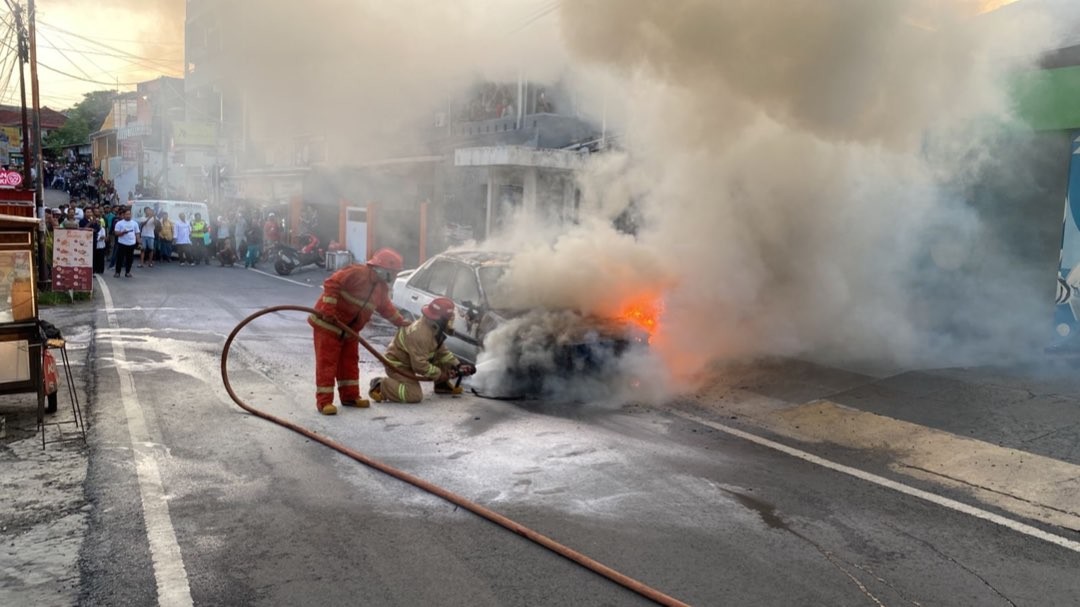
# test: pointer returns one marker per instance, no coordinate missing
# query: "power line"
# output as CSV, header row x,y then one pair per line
x,y
13,58
50,44
148,63
65,56
117,55
74,77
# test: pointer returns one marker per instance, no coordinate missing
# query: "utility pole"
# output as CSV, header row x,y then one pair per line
x,y
23,58
39,160
28,53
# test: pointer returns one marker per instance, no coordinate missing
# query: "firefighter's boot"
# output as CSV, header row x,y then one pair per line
x,y
375,392
327,409
444,387
359,403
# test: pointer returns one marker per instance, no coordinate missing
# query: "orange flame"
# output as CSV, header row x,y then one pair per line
x,y
643,312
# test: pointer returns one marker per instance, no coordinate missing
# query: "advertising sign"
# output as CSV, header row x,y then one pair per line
x,y
130,150
194,134
73,260
133,130
10,179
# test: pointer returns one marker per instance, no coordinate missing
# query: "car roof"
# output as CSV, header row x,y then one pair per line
x,y
477,258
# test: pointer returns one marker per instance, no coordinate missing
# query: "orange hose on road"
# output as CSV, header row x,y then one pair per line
x,y
573,555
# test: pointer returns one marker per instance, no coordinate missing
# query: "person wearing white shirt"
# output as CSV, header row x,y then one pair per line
x,y
127,236
148,227
182,234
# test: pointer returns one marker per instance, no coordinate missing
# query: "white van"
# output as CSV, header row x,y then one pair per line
x,y
172,207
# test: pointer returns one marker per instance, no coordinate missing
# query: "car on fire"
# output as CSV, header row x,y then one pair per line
x,y
540,342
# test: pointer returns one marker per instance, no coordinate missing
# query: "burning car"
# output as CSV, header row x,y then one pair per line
x,y
519,350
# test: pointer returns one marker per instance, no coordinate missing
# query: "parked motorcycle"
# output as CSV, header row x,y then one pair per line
x,y
289,258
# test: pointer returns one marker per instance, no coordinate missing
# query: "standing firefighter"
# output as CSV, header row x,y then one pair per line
x,y
350,296
419,348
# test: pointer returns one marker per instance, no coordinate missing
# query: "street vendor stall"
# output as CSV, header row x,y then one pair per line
x,y
20,335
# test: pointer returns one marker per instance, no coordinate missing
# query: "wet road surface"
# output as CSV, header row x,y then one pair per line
x,y
196,501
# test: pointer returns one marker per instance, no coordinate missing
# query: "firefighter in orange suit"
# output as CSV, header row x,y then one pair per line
x,y
351,295
419,349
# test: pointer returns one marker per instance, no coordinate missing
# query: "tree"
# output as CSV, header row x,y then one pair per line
x,y
84,118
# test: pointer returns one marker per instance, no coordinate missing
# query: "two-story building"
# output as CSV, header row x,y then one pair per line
x,y
11,153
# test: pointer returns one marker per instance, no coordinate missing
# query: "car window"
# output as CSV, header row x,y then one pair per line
x,y
440,278
466,289
489,280
421,278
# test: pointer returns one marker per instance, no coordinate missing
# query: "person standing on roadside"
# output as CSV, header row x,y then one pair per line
x,y
127,236
199,239
165,238
240,233
182,231
71,222
97,224
254,237
148,228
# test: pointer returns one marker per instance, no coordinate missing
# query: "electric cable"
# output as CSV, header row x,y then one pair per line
x,y
538,538
149,64
49,44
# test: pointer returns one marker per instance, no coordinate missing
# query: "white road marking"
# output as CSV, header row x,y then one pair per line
x,y
167,562
890,484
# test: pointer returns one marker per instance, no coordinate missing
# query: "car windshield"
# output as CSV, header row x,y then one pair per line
x,y
489,280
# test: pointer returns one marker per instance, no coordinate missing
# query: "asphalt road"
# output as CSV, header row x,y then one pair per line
x,y
196,501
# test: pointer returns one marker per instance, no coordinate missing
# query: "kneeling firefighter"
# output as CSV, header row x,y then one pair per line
x,y
350,296
419,348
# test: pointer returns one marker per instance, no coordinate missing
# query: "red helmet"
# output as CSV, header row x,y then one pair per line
x,y
387,258
440,308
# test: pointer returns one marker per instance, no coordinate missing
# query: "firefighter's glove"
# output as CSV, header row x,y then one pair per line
x,y
443,377
465,369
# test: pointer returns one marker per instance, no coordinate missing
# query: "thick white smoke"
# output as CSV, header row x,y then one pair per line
x,y
797,165
801,170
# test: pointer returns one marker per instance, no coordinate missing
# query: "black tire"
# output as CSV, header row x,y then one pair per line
x,y
51,407
283,267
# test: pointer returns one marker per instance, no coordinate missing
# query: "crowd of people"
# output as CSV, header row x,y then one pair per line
x,y
81,182
130,236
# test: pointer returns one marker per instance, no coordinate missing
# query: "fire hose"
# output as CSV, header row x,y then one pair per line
x,y
538,538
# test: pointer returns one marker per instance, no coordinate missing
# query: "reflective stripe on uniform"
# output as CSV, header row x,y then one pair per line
x,y
447,357
348,382
322,324
433,371
330,300
401,392
393,361
324,390
401,338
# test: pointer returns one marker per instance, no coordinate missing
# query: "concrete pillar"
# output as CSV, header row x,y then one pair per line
x,y
569,212
529,193
491,188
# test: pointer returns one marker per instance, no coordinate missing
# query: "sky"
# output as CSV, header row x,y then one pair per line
x,y
88,45
120,42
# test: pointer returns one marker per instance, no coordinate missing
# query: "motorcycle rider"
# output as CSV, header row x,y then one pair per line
x,y
350,296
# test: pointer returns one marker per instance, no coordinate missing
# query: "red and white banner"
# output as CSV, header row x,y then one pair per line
x,y
73,260
10,179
